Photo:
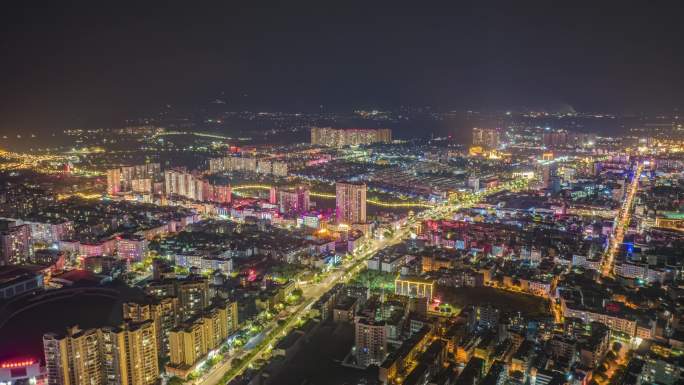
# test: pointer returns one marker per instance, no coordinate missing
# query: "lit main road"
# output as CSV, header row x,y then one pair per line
x,y
312,292
622,223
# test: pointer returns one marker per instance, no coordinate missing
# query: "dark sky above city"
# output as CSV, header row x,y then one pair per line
x,y
68,64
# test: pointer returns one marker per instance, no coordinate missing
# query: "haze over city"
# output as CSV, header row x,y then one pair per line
x,y
79,64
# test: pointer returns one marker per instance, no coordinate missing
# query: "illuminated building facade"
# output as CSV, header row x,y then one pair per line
x,y
133,249
613,321
113,181
49,232
432,263
371,341
488,138
206,263
103,356
183,184
293,200
138,178
549,175
644,272
162,312
187,346
414,287
143,185
15,243
193,340
485,316
192,294
402,360
350,203
670,220
248,164
340,137
564,138
218,193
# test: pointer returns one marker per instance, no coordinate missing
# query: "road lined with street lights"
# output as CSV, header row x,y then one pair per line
x,y
224,372
311,293
622,223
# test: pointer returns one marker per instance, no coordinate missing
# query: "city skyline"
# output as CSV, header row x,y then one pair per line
x,y
214,259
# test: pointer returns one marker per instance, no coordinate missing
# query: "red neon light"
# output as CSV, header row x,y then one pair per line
x,y
16,364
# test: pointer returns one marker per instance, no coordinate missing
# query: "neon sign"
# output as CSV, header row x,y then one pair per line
x,y
16,364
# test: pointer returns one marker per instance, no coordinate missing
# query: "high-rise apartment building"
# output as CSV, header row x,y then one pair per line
x,y
217,193
266,166
138,354
164,312
233,320
350,203
293,200
103,356
187,345
550,178
113,181
49,231
142,185
15,243
564,138
273,195
486,316
192,340
340,137
486,137
184,184
139,178
371,341
140,171
192,294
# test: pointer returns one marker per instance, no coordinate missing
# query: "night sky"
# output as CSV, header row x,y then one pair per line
x,y
70,65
